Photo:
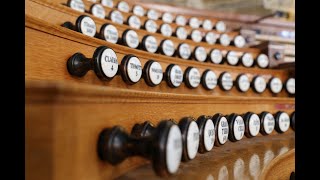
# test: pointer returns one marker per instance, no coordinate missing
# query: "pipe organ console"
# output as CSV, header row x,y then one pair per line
x,y
117,89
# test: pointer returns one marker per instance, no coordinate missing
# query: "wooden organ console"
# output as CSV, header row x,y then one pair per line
x,y
121,90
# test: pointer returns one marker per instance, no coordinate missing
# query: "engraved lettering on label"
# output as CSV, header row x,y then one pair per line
x,y
151,26
209,136
216,56
109,63
284,122
176,75
155,73
134,22
138,10
111,33
244,83
238,129
194,77
254,124
227,81
166,30
269,123
117,17
184,51
211,80
260,84
152,14
77,5
88,27
223,130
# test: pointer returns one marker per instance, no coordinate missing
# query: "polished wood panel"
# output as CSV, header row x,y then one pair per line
x,y
64,119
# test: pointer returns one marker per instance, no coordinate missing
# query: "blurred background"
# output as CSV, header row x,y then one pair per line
x,y
283,8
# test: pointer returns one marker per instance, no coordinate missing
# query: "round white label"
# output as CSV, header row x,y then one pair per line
x,y
238,128
155,73
239,41
138,10
184,51
88,26
216,56
168,47
223,130
167,17
123,6
98,11
176,76
173,149
254,125
153,14
275,85
107,3
181,20
166,30
116,17
243,82
226,81
207,24
151,44
194,77
192,140
232,58
221,26
109,63
181,33
210,79
284,122
132,39
224,39
209,135
151,26
291,85
263,61
134,22
77,5
134,69
268,123
259,84
194,22
196,35
200,54
111,33
247,60
211,38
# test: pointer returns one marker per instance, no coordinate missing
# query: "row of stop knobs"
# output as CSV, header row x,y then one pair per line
x,y
169,143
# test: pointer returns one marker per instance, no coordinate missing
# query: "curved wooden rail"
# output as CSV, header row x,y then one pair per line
x,y
280,168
